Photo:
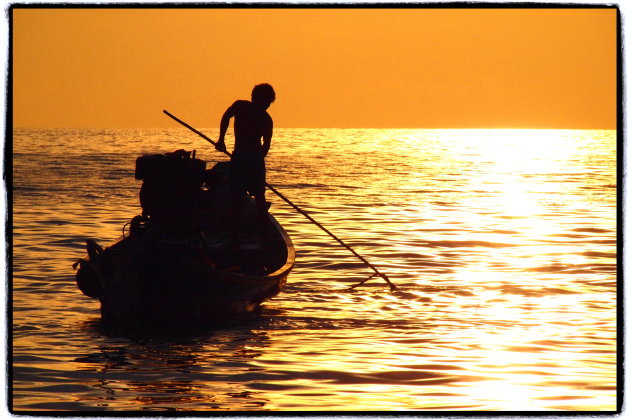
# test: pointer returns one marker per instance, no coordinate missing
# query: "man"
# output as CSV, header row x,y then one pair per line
x,y
247,169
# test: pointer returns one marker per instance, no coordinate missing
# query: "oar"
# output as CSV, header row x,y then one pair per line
x,y
299,210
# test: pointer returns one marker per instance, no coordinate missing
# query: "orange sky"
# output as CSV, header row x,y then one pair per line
x,y
409,68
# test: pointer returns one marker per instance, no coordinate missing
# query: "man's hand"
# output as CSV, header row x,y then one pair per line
x,y
220,146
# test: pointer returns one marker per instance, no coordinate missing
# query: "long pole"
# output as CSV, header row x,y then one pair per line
x,y
299,210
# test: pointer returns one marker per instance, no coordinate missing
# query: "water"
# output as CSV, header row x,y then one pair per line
x,y
502,244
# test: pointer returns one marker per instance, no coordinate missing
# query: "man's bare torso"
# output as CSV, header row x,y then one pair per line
x,y
250,125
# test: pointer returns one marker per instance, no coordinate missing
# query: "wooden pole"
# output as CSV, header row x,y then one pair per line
x,y
299,210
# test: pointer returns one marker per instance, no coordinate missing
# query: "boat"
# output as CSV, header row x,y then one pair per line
x,y
175,263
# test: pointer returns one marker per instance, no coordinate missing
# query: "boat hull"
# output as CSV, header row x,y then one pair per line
x,y
183,271
188,298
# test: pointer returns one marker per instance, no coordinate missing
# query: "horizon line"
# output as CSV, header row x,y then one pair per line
x,y
312,128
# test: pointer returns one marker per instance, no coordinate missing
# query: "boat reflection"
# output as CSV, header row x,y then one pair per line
x,y
196,370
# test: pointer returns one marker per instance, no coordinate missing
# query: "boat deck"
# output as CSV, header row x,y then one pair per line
x,y
206,234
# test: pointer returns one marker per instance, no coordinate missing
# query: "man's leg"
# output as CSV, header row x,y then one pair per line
x,y
237,178
262,210
235,209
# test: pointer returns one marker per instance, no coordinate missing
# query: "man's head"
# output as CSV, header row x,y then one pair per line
x,y
263,95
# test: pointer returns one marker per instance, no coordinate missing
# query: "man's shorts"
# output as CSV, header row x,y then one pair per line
x,y
247,173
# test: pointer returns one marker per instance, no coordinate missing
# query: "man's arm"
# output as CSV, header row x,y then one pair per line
x,y
223,127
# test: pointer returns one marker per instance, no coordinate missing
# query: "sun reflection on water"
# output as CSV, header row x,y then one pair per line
x,y
502,243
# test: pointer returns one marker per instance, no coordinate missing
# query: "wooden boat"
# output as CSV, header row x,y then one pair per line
x,y
176,264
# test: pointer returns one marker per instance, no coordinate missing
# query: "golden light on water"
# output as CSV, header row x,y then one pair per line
x,y
501,243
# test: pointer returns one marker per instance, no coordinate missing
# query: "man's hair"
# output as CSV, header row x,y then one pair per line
x,y
263,93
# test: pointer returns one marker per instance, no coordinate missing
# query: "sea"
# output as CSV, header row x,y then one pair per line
x,y
502,245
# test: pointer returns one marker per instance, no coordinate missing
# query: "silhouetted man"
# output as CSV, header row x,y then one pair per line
x,y
247,169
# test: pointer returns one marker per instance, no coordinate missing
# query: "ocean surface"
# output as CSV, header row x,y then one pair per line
x,y
502,243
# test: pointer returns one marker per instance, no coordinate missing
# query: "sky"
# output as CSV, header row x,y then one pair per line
x,y
331,68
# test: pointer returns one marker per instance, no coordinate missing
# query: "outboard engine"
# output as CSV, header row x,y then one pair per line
x,y
171,183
